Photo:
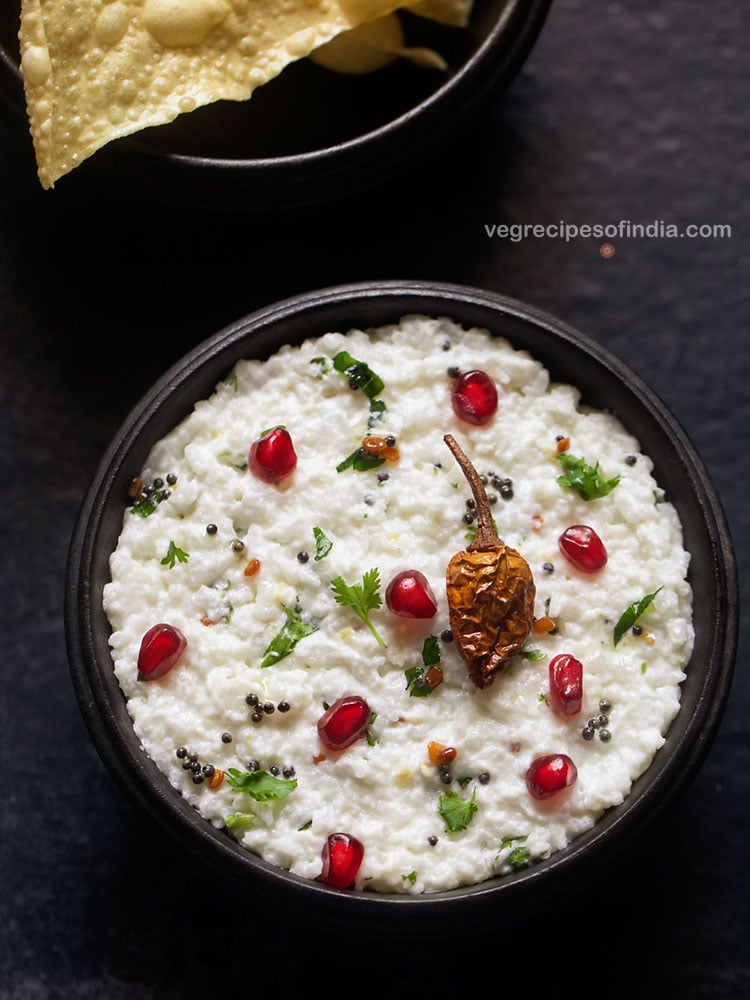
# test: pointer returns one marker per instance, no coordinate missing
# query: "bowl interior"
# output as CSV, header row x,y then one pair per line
x,y
570,356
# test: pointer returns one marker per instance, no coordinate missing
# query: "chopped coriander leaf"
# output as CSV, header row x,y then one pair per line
x,y
323,544
471,531
377,409
359,374
532,654
293,629
519,855
416,683
323,366
430,651
413,677
174,554
148,504
420,680
411,877
585,479
456,812
233,458
239,819
631,615
260,785
361,598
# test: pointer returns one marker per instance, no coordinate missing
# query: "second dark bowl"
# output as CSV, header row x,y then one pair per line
x,y
309,136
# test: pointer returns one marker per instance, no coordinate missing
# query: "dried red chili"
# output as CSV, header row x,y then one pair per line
x,y
490,590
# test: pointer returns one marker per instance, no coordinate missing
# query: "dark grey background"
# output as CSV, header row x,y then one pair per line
x,y
632,111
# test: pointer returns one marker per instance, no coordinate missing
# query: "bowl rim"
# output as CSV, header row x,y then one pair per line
x,y
500,898
389,146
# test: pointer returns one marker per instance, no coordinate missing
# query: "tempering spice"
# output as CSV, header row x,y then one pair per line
x,y
490,590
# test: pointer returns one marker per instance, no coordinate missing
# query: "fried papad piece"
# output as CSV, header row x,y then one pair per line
x,y
372,46
95,71
455,13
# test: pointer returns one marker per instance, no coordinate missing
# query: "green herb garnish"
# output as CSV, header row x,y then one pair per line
x,y
293,629
519,855
148,504
416,685
377,409
430,651
323,366
260,785
239,819
233,458
323,544
631,615
456,812
471,531
360,461
585,479
359,374
532,654
362,377
361,598
174,554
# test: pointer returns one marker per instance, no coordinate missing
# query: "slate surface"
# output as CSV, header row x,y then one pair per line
x,y
623,112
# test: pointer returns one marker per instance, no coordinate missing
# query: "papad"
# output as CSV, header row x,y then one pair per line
x,y
95,71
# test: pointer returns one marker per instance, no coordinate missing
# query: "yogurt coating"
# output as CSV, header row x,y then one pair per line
x,y
185,564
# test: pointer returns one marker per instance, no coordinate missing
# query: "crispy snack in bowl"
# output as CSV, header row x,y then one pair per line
x,y
95,71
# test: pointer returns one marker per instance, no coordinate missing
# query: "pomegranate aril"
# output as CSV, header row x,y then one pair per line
x,y
344,722
161,648
342,857
272,457
583,548
474,397
550,774
566,684
410,595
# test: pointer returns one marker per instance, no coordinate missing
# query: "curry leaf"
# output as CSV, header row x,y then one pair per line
x,y
359,374
631,615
